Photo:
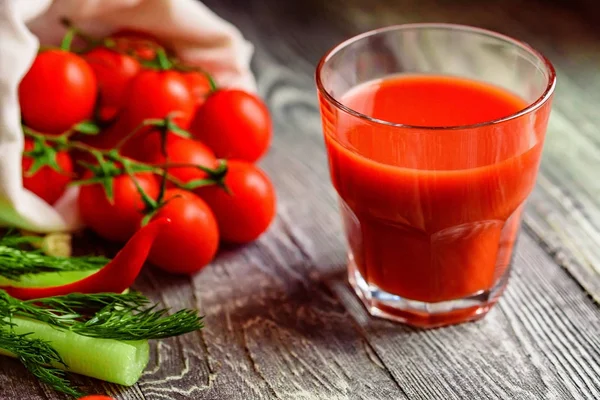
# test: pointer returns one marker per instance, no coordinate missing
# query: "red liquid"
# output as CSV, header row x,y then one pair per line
x,y
432,215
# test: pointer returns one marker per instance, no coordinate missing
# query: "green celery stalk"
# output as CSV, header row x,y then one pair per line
x,y
106,359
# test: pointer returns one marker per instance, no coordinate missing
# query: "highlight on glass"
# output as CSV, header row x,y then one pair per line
x,y
434,134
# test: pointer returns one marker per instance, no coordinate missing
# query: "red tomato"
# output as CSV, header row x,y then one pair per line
x,y
142,44
113,72
147,145
199,85
191,240
248,211
47,183
58,91
180,150
155,94
117,221
235,124
96,397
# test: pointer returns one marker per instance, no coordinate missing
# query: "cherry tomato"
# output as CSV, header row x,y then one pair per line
x,y
96,397
191,240
117,221
199,85
58,91
248,211
235,124
147,145
180,150
141,44
113,73
46,182
156,94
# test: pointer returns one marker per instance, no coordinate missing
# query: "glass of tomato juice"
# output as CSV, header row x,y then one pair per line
x,y
434,134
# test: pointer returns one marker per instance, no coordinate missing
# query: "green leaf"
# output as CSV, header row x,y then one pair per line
x,y
87,128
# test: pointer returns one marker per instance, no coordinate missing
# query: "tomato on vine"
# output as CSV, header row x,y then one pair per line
x,y
179,151
118,218
53,172
156,94
248,210
137,43
191,240
58,91
234,124
200,85
114,71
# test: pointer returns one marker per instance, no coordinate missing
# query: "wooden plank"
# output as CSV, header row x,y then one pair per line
x,y
281,320
270,332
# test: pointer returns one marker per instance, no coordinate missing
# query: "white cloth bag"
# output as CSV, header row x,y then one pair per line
x,y
195,33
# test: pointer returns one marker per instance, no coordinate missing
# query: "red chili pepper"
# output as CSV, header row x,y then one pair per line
x,y
115,277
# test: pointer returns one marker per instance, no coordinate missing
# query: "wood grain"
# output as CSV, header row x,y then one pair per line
x,y
281,320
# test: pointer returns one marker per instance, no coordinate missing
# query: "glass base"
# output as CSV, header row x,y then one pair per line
x,y
422,314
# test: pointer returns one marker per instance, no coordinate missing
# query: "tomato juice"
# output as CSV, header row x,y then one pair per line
x,y
432,172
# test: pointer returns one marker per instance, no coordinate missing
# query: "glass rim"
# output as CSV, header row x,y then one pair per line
x,y
532,106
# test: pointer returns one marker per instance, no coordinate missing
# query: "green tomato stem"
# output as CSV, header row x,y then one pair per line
x,y
147,122
163,60
211,82
68,39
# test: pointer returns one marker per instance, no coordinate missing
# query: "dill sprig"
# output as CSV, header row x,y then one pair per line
x,y
37,356
104,315
13,239
16,262
123,317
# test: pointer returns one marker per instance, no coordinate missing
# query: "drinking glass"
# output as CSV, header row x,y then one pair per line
x,y
430,241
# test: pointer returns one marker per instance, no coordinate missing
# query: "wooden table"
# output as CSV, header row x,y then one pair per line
x,y
281,320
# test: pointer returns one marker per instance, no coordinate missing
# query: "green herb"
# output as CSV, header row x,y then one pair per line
x,y
104,315
37,355
12,238
117,317
16,262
